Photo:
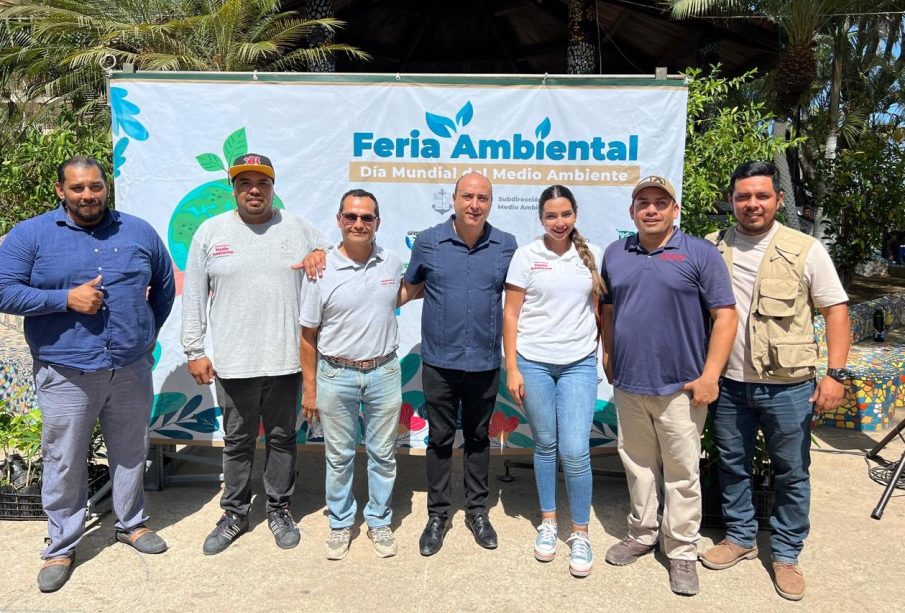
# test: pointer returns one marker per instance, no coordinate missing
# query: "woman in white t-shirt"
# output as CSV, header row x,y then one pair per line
x,y
550,338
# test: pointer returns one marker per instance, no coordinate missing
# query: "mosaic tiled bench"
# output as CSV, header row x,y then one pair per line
x,y
878,388
16,385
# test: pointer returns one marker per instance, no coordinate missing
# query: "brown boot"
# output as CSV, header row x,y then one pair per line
x,y
727,554
788,580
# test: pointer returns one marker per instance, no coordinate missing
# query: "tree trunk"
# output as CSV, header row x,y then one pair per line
x,y
320,9
582,52
780,127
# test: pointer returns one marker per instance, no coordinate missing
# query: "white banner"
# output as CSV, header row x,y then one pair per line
x,y
405,139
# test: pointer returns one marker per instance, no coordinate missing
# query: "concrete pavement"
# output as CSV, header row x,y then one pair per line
x,y
851,562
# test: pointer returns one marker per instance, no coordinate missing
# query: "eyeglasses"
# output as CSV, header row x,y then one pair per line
x,y
351,218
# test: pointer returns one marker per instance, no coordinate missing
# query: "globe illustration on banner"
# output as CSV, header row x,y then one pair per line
x,y
206,200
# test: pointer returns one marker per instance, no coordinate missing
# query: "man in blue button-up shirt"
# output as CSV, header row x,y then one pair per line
x,y
462,265
95,286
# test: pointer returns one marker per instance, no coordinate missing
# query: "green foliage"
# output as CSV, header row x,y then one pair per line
x,y
58,48
865,195
20,442
724,129
31,154
20,439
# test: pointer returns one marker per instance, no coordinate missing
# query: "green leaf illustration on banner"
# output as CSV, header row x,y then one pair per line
x,y
409,366
236,144
210,162
207,199
414,398
176,434
517,439
167,402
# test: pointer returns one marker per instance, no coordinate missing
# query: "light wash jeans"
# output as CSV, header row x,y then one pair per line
x,y
559,403
783,412
343,393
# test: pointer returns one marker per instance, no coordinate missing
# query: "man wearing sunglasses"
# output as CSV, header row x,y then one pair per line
x,y
239,267
349,317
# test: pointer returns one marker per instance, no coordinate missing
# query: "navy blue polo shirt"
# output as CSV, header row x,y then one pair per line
x,y
661,299
44,257
462,315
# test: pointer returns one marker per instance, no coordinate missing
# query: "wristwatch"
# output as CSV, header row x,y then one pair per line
x,y
839,374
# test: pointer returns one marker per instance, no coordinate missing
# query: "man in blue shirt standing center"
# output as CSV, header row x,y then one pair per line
x,y
462,264
95,287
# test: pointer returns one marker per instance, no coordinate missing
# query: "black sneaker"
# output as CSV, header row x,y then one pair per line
x,y
285,532
227,529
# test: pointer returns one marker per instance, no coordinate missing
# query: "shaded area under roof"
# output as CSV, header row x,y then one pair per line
x,y
531,36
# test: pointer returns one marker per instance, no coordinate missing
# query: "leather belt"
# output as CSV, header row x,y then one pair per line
x,y
360,364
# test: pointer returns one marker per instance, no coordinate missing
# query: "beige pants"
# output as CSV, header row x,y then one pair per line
x,y
660,446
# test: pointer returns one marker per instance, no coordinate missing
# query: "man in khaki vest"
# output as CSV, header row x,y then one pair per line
x,y
778,276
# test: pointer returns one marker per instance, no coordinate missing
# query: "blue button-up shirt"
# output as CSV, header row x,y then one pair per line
x,y
462,316
44,257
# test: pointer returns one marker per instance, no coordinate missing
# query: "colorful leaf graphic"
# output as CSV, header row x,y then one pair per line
x,y
119,158
439,125
543,128
210,162
236,144
517,439
463,117
177,434
167,402
510,411
409,366
123,111
414,398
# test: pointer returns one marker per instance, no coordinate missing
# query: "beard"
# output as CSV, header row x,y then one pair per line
x,y
87,214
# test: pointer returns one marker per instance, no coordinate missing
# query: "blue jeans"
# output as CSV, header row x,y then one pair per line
x,y
377,393
559,402
783,412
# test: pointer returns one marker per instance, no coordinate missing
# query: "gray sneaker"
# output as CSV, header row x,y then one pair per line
x,y
627,551
337,544
384,541
683,577
285,531
228,528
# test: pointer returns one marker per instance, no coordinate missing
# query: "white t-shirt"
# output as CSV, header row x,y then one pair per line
x,y
557,323
354,305
747,254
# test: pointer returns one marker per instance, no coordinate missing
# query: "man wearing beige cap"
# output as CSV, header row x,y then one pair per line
x,y
664,361
239,267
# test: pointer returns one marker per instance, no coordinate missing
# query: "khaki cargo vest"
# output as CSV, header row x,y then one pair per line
x,y
781,323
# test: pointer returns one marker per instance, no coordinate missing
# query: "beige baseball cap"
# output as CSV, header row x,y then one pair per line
x,y
655,181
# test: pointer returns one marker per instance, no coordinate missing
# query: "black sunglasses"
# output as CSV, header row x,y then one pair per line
x,y
367,218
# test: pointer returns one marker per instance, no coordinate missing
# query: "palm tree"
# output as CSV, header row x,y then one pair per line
x,y
58,47
792,80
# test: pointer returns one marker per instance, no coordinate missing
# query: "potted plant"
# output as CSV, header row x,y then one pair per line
x,y
761,481
21,468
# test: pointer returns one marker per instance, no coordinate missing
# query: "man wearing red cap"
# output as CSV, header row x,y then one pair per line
x,y
241,293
